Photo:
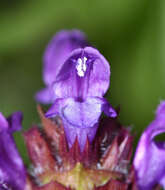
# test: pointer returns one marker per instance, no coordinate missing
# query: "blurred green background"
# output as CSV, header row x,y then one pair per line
x,y
129,33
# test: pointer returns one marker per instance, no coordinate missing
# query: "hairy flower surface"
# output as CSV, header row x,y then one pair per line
x,y
62,44
12,172
79,89
149,161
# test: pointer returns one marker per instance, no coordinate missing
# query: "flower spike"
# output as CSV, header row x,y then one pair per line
x,y
149,161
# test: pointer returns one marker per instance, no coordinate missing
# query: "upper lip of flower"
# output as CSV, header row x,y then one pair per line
x,y
94,82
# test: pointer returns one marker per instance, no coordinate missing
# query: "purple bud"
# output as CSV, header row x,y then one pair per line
x,y
12,172
149,161
62,44
79,89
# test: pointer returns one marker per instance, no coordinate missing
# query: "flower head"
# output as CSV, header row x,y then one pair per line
x,y
12,173
102,165
79,89
149,161
62,44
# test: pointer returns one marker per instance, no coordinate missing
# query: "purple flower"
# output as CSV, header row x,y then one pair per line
x,y
56,53
12,172
149,161
79,89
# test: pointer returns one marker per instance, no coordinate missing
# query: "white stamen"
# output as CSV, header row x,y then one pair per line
x,y
81,66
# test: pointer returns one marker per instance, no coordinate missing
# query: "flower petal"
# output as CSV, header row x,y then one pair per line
x,y
82,114
3,123
109,110
149,161
15,121
46,96
12,172
80,119
85,73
